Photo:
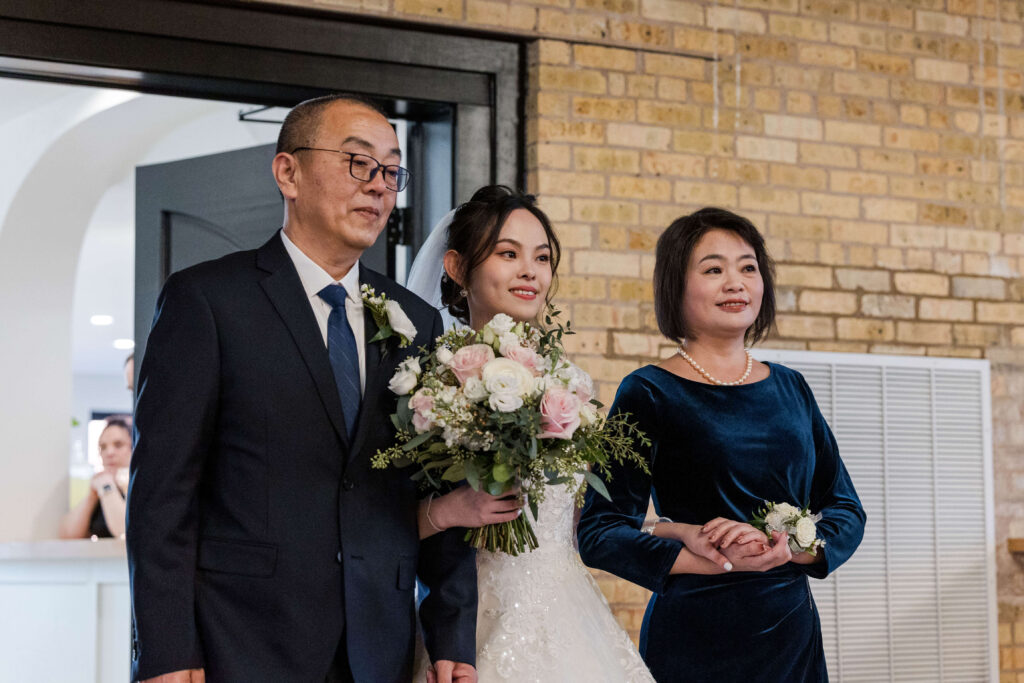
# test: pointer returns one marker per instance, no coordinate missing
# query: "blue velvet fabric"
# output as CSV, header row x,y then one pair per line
x,y
720,452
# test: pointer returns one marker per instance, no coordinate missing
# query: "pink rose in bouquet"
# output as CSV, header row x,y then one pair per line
x,y
470,360
560,414
528,358
421,404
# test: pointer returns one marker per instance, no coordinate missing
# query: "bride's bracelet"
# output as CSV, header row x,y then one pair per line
x,y
429,520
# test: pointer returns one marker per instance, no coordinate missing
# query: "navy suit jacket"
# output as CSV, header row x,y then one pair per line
x,y
258,534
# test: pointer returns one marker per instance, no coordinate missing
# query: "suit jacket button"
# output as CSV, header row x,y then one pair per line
x,y
347,485
338,557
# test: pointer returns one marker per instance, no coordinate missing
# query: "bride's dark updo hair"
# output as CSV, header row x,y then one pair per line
x,y
473,232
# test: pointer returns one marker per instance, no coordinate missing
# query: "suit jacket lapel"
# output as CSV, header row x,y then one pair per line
x,y
285,291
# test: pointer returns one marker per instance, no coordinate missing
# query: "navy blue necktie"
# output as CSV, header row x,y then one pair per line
x,y
341,347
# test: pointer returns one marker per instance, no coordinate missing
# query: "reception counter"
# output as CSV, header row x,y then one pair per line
x,y
64,612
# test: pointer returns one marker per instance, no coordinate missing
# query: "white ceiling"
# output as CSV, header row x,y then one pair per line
x,y
105,275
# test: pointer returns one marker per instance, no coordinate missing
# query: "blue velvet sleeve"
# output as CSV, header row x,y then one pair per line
x,y
609,530
833,495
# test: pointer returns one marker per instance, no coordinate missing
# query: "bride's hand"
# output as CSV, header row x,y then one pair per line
x,y
724,532
778,554
467,507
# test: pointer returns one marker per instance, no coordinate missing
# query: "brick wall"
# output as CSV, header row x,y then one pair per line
x,y
879,146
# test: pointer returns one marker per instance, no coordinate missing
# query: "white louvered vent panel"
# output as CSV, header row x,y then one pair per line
x,y
917,600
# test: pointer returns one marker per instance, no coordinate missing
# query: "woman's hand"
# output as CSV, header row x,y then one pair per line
x,y
467,507
696,542
761,560
724,532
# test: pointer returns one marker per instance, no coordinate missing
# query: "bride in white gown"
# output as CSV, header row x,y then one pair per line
x,y
541,616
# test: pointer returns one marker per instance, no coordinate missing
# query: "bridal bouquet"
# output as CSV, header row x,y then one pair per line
x,y
801,525
504,407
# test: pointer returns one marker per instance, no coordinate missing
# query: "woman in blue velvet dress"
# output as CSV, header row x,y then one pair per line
x,y
727,433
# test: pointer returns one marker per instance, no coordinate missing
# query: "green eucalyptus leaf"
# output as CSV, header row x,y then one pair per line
x,y
456,472
598,484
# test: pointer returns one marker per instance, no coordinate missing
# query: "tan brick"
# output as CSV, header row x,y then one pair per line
x,y
879,63
822,204
977,264
496,13
805,326
945,309
549,155
860,84
802,128
580,26
584,341
1007,313
857,183
924,333
804,276
828,155
908,138
797,27
640,33
605,159
605,211
915,91
918,188
555,130
672,89
895,210
604,57
945,71
766,149
816,301
799,103
606,263
678,11
940,22
669,113
857,36
866,329
705,193
751,172
921,283
861,279
699,40
827,55
668,163
571,79
632,135
859,231
635,344
940,214
769,199
570,184
887,306
437,9
974,240
977,335
919,259
853,133
1017,339
917,236
558,210
1013,244
674,65
799,176
886,13
636,290
606,108
635,187
861,255
913,114
838,346
797,227
553,52
729,19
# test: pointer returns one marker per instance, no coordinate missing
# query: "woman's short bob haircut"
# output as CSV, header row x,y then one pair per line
x,y
473,232
672,262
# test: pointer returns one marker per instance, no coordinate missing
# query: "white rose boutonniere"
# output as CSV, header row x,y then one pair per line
x,y
799,523
389,317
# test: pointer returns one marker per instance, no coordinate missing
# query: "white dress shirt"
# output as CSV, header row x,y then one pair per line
x,y
314,278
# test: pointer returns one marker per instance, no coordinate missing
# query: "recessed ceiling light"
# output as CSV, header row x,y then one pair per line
x,y
102,320
124,344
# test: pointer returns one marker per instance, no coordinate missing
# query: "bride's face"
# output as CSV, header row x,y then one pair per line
x,y
515,277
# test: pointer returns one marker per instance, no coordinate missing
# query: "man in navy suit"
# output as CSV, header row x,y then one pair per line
x,y
261,545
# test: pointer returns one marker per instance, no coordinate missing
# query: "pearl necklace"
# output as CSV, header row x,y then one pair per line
x,y
707,375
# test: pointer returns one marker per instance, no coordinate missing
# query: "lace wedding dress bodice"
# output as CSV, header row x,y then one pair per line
x,y
541,616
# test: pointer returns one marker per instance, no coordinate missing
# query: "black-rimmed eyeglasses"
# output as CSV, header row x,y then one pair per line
x,y
364,168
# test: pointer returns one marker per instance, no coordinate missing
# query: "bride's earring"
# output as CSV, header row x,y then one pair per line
x,y
463,293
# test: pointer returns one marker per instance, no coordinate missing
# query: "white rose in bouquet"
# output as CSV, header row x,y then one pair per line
x,y
501,325
505,376
505,402
444,355
474,390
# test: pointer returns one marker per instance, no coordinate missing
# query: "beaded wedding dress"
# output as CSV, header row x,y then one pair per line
x,y
541,616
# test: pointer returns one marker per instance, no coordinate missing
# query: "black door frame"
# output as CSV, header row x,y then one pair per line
x,y
280,55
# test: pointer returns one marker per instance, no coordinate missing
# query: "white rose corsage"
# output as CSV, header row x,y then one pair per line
x,y
800,524
389,317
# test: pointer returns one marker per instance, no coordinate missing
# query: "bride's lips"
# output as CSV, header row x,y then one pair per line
x,y
527,293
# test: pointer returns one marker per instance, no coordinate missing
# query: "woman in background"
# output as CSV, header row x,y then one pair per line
x,y
728,433
101,512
